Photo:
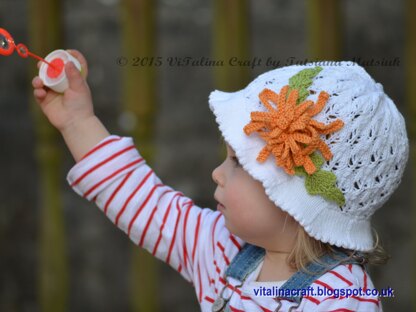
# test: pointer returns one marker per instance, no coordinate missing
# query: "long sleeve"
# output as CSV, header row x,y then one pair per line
x,y
194,241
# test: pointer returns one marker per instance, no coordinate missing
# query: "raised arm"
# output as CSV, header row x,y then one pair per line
x,y
111,172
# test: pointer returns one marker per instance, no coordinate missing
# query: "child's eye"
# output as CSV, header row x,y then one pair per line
x,y
235,160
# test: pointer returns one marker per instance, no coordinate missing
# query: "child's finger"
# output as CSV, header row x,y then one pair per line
x,y
82,61
37,82
38,64
39,94
75,80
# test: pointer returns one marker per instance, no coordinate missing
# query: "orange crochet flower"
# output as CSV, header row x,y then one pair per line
x,y
290,133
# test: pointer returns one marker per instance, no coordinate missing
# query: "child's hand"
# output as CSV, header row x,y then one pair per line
x,y
71,107
72,112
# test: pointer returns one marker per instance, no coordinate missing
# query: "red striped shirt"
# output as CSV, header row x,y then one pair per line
x,y
192,240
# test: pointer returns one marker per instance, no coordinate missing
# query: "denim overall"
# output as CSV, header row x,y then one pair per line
x,y
250,256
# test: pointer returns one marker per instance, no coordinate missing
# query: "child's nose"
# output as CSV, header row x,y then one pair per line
x,y
216,176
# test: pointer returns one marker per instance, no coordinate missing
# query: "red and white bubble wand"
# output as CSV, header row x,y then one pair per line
x,y
51,71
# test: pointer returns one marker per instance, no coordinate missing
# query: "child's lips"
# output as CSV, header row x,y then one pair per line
x,y
220,206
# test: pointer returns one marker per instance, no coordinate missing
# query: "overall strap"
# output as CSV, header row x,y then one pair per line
x,y
245,262
250,256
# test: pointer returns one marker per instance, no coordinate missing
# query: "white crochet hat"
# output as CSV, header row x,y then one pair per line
x,y
330,149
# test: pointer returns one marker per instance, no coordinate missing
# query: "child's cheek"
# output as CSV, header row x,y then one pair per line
x,y
243,201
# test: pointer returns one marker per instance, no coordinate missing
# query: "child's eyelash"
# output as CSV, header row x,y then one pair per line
x,y
235,159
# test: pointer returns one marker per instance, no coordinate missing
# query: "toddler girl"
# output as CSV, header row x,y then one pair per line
x,y
312,152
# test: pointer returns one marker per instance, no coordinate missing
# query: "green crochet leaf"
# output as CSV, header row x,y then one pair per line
x,y
302,81
321,182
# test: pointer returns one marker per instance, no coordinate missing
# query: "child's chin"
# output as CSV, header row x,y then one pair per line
x,y
230,228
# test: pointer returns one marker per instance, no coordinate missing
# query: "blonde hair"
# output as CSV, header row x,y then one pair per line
x,y
307,250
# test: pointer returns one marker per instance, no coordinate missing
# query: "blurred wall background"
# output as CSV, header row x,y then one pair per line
x,y
98,253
